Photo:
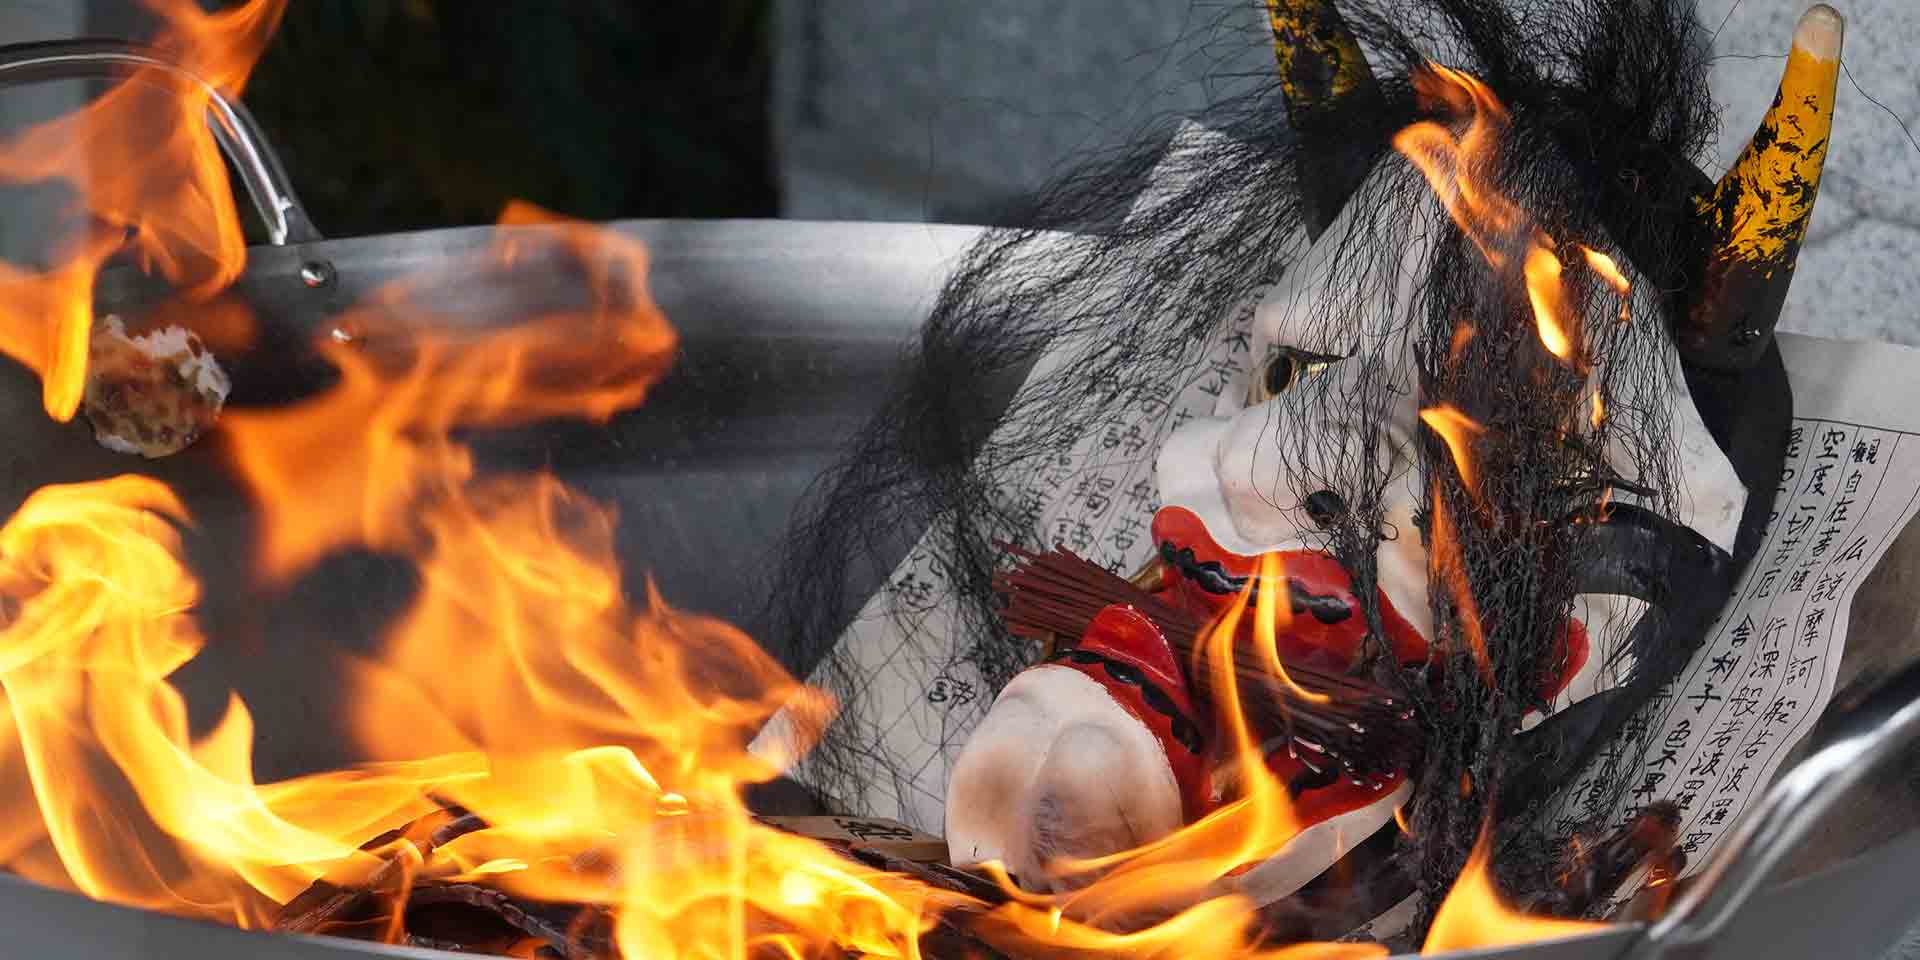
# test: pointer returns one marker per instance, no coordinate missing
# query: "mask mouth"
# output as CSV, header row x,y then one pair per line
x,y
1344,719
1226,504
1323,622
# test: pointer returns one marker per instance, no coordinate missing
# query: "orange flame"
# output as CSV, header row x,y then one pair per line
x,y
1462,332
101,600
1473,914
1458,430
1549,296
148,175
1449,566
608,732
1456,168
1609,272
1270,618
1453,165
347,466
46,320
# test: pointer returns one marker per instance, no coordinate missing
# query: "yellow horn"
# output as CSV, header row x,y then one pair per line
x,y
1320,64
1757,215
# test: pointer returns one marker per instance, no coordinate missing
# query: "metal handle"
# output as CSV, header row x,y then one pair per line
x,y
265,180
1865,736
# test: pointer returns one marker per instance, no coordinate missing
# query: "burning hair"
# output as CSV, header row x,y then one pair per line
x,y
1125,271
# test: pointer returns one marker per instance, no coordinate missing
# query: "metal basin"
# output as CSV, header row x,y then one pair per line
x,y
790,332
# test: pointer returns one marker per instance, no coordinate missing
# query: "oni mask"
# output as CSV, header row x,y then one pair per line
x,y
1393,487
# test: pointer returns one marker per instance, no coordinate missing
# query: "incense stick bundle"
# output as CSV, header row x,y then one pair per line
x,y
1340,721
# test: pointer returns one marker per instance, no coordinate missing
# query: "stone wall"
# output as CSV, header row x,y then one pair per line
x,y
924,110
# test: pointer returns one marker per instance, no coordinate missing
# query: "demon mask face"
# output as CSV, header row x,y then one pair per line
x,y
1508,429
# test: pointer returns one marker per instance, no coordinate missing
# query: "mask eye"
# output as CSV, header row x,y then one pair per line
x,y
1286,367
1280,373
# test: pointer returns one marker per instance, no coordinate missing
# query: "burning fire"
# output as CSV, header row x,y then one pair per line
x,y
610,733
1458,430
1457,168
100,619
46,320
1270,619
1609,272
411,375
603,745
1473,915
1549,296
1447,564
148,172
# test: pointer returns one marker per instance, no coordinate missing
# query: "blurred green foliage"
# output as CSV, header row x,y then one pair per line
x,y
405,114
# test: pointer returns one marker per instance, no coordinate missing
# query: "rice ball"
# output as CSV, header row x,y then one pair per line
x,y
153,394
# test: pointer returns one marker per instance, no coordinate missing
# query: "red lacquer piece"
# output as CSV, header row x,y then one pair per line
x,y
1324,626
1121,635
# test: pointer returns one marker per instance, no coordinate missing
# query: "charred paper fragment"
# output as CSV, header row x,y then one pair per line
x,y
1663,886
1361,886
152,394
877,833
413,897
963,930
1595,867
467,917
396,903
340,905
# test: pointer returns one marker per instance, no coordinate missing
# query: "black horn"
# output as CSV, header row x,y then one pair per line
x,y
1685,579
1321,65
1638,553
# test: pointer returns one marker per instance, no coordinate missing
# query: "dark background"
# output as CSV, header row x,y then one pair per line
x,y
411,114
415,114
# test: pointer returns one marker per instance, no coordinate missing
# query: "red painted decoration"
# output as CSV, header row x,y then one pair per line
x,y
1122,634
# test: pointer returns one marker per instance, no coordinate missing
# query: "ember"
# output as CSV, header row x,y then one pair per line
x,y
1475,916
